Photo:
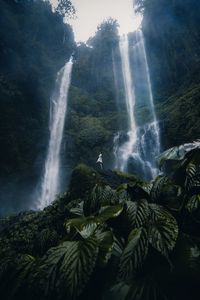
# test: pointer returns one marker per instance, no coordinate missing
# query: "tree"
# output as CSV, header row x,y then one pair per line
x,y
65,8
107,33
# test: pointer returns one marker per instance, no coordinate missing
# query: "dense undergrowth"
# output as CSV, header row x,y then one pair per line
x,y
139,240
172,35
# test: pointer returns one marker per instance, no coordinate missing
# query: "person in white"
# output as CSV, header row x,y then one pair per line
x,y
100,160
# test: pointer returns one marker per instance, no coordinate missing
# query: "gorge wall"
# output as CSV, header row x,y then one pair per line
x,y
34,45
172,33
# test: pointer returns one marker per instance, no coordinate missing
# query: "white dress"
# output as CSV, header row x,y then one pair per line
x,y
100,160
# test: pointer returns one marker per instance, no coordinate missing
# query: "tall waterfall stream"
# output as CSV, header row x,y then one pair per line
x,y
51,178
142,145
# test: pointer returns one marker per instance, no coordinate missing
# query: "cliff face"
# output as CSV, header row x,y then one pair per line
x,y
34,45
93,117
172,33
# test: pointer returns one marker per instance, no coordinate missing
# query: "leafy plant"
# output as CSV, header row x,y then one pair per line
x,y
138,241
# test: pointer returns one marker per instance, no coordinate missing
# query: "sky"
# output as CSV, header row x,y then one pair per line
x,y
90,13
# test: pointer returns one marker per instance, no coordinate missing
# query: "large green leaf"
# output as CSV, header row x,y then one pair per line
x,y
138,289
193,203
134,253
178,153
87,226
92,203
110,212
157,187
68,267
165,192
192,178
118,291
15,272
137,212
175,153
163,229
187,256
109,196
118,246
106,243
145,289
100,196
139,190
78,209
46,239
24,267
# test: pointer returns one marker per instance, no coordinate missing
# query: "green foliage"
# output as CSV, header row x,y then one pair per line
x,y
93,117
65,8
86,177
107,32
134,253
193,203
69,266
178,153
124,243
87,226
106,245
137,212
92,203
173,57
35,44
163,229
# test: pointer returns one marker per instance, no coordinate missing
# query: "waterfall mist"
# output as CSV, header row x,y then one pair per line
x,y
58,110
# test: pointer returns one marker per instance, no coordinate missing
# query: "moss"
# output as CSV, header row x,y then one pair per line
x,y
83,180
126,176
181,122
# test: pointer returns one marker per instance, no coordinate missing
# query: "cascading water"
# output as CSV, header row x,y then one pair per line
x,y
149,135
142,144
50,180
126,150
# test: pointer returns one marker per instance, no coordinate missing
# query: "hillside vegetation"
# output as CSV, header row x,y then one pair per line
x,y
132,241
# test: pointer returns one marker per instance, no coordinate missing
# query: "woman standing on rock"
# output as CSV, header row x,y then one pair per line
x,y
100,161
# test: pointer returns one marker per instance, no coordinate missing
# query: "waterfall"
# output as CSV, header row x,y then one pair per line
x,y
137,149
58,111
154,127
126,150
